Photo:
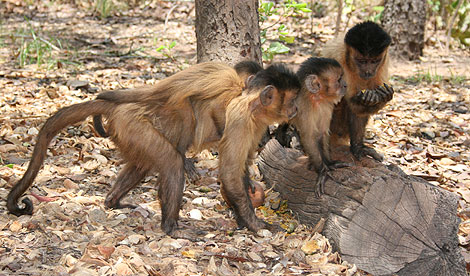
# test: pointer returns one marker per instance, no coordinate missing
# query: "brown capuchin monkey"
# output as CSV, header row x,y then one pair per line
x,y
154,127
247,120
246,70
323,86
363,54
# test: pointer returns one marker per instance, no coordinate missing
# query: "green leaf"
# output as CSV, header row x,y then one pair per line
x,y
288,39
378,8
159,49
9,166
278,48
172,44
306,10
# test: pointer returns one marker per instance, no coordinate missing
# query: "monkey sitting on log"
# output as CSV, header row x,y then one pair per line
x,y
154,127
323,86
363,54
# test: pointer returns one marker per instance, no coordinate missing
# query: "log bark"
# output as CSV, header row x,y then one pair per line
x,y
376,216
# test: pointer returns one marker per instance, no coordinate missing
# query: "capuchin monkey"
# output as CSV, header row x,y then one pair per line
x,y
363,54
323,86
153,127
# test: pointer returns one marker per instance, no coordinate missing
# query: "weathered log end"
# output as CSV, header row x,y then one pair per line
x,y
377,217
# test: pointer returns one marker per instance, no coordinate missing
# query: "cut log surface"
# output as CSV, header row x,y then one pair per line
x,y
376,216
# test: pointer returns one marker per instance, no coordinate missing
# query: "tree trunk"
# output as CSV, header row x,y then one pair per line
x,y
405,21
376,216
227,31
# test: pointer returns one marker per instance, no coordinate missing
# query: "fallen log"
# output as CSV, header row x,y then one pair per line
x,y
376,216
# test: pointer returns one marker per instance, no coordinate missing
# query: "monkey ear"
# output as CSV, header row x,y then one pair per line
x,y
266,96
248,80
312,83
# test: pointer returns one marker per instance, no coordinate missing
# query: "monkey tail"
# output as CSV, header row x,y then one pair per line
x,y
98,125
64,117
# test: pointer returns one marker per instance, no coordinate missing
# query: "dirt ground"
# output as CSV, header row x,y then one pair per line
x,y
425,130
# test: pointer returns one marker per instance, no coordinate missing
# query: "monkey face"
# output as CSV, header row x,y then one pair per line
x,y
281,103
289,105
367,66
334,80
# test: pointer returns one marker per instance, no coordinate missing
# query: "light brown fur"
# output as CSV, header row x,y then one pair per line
x,y
153,127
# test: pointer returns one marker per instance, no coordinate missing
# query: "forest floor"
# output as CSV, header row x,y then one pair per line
x,y
425,130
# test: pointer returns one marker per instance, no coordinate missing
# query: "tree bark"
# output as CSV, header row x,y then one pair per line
x,y
228,31
405,21
376,216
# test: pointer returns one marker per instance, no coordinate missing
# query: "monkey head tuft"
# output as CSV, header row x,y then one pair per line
x,y
368,38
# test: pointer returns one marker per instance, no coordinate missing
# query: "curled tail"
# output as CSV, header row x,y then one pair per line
x,y
64,117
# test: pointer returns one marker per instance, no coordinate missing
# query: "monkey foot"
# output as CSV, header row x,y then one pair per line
x,y
119,205
362,150
188,234
190,169
320,184
336,164
273,228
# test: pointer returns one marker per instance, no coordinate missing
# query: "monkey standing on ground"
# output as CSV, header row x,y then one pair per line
x,y
246,70
153,128
363,54
323,86
247,120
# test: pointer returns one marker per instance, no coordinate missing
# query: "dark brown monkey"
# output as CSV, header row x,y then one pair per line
x,y
186,109
247,120
363,54
323,86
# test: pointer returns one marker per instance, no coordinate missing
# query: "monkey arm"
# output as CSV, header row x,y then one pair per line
x,y
325,153
357,128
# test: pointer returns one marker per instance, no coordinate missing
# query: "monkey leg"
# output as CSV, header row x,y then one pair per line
x,y
128,178
170,190
237,195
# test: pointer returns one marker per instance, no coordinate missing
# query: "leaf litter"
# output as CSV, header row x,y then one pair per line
x,y
425,130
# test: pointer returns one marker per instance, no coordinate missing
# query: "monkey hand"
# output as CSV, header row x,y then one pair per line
x,y
362,150
373,97
367,98
385,93
256,194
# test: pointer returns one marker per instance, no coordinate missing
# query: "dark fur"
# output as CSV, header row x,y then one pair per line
x,y
363,54
368,38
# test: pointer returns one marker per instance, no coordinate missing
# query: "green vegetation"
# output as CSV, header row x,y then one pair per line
x,y
166,49
431,76
33,48
278,29
455,13
104,8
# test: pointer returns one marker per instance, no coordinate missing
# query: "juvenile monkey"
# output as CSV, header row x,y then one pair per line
x,y
186,109
323,86
247,120
363,54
